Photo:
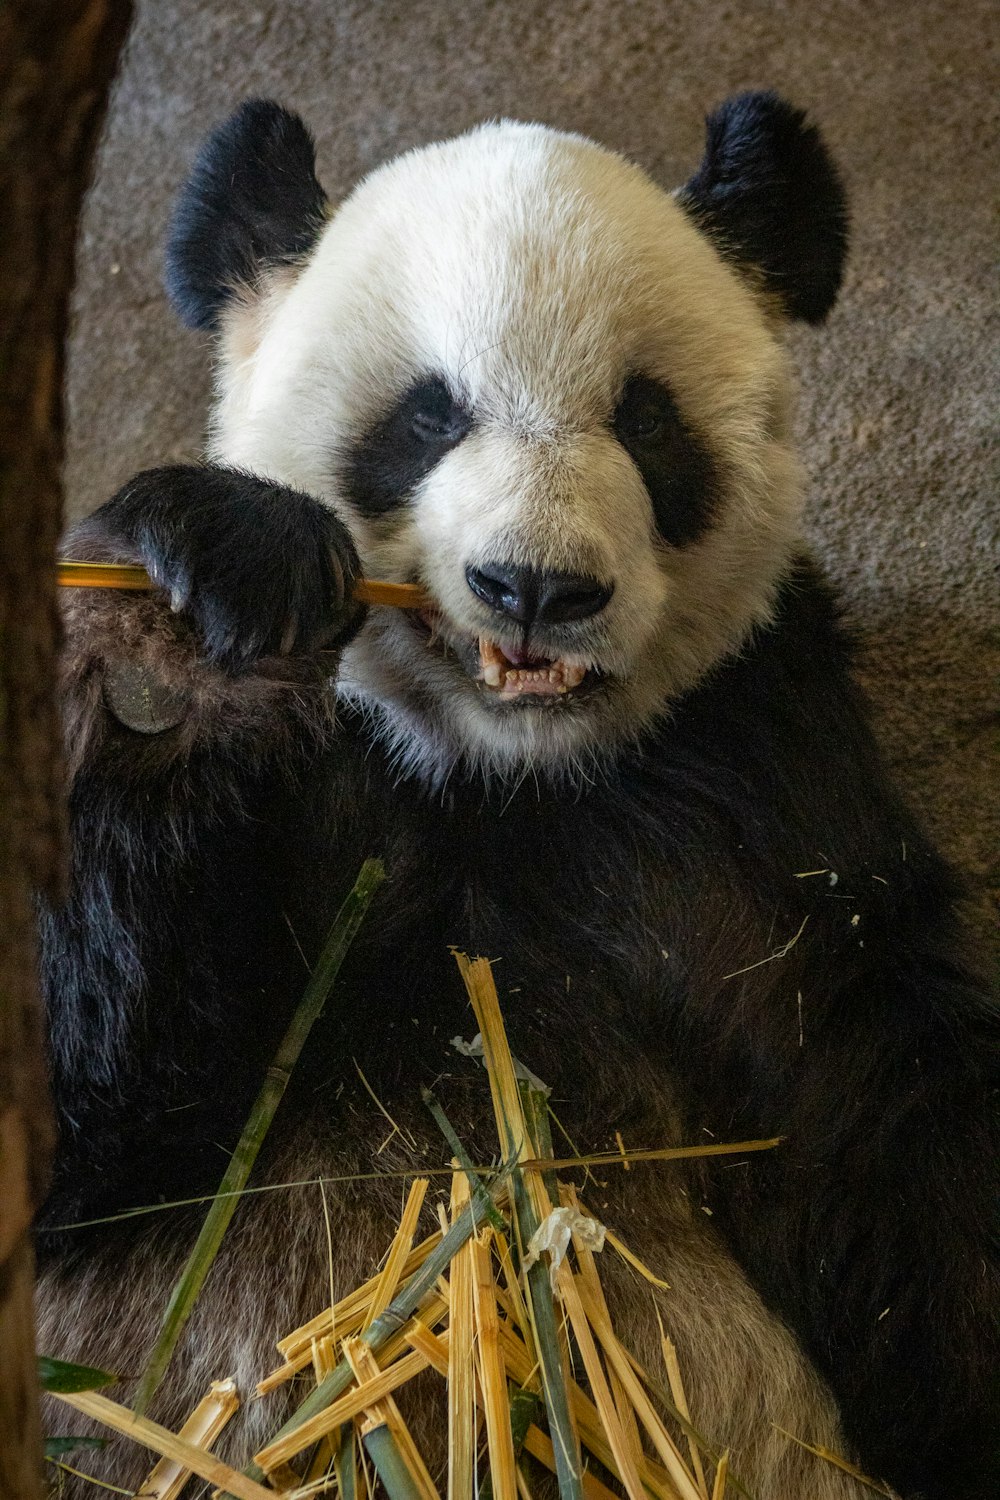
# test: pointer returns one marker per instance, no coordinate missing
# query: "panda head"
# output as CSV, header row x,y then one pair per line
x,y
534,382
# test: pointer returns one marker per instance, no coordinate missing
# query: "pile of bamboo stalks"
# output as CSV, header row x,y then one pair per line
x,y
503,1302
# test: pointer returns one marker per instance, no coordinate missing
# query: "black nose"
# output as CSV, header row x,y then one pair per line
x,y
531,596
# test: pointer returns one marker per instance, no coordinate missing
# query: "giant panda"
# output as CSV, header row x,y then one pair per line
x,y
621,754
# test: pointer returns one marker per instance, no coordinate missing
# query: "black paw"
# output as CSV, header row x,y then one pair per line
x,y
262,569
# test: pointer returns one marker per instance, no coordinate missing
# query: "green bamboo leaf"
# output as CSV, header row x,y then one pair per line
x,y
56,1375
199,1262
57,1447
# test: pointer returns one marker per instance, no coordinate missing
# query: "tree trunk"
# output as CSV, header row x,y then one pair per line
x,y
57,59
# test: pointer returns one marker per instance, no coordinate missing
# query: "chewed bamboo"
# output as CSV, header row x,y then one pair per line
x,y
464,1304
300,1339
167,1444
461,1366
654,1153
646,1412
625,1457
387,1413
399,1251
168,1477
829,1457
492,1375
673,1369
721,1473
403,1306
531,1204
349,1406
540,1446
521,1368
435,1349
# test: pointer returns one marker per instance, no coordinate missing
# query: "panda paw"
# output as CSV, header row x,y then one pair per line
x,y
261,569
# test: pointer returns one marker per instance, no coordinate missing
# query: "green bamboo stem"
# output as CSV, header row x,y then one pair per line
x,y
222,1208
384,1453
541,1306
476,1188
525,1408
344,1464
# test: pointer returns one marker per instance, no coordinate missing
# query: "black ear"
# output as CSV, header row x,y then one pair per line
x,y
252,201
770,196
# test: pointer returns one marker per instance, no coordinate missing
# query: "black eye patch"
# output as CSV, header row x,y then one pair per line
x,y
674,463
403,447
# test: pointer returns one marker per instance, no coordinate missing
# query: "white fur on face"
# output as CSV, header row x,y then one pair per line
x,y
533,272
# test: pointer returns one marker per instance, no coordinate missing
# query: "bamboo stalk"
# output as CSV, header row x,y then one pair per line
x,y
398,1482
646,1412
721,1475
531,1204
386,1413
221,1210
345,1463
399,1251
673,1369
625,1460
168,1477
321,1465
829,1457
492,1377
348,1406
168,1444
94,575
448,1131
397,1314
461,1360
656,1153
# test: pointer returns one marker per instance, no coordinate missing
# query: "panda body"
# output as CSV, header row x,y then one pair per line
x,y
622,755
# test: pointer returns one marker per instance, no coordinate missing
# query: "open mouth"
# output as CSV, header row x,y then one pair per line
x,y
507,672
518,674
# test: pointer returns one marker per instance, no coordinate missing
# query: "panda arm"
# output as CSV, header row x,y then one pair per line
x,y
182,729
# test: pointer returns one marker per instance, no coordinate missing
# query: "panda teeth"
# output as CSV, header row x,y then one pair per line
x,y
496,671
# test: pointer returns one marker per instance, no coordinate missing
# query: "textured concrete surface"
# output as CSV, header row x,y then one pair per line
x,y
899,390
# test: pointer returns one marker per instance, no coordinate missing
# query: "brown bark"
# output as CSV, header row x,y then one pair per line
x,y
57,58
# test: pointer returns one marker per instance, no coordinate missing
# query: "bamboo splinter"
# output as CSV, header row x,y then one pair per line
x,y
95,575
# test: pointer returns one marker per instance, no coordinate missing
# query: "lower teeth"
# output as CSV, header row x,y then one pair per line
x,y
497,672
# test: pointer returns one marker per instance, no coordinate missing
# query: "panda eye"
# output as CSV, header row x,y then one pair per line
x,y
672,459
644,411
435,416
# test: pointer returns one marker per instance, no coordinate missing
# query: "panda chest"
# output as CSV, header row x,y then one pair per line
x,y
584,981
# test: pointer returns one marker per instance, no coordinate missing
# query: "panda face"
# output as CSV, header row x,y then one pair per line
x,y
529,382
